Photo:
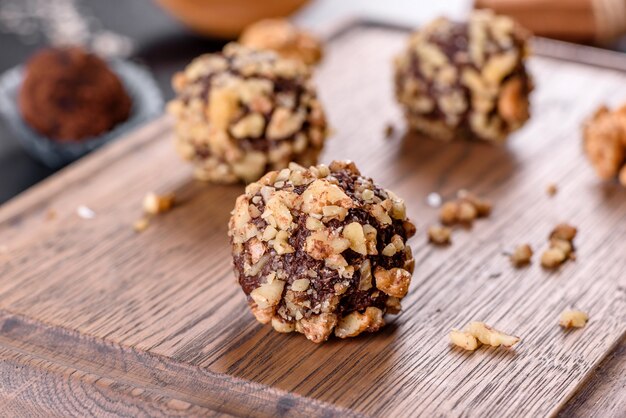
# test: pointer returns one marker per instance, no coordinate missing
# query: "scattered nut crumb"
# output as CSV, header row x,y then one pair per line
x,y
564,231
464,339
561,246
521,255
154,204
464,209
439,235
51,215
552,189
573,319
85,213
389,130
141,224
478,333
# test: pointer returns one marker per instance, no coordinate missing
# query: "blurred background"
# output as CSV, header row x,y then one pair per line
x,y
164,35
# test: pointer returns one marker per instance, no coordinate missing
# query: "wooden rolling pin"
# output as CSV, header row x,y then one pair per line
x,y
572,20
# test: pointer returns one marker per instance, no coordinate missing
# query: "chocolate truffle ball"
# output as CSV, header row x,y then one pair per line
x,y
243,112
281,36
605,143
69,94
320,250
465,80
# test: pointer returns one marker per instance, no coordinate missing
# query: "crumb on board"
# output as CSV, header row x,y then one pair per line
x,y
522,255
141,224
85,212
552,189
389,130
477,333
561,246
51,214
465,209
155,204
573,319
439,235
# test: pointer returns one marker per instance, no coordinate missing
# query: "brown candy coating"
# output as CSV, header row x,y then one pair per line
x,y
69,94
465,79
320,250
242,112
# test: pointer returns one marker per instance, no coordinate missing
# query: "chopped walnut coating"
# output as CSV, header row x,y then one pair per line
x,y
321,250
242,112
605,143
573,319
465,79
282,37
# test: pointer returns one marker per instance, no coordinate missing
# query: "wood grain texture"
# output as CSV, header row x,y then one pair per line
x,y
160,311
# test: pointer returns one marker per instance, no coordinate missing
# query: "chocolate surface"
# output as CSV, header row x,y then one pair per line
x,y
69,94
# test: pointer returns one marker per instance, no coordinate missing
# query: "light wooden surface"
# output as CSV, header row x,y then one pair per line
x,y
99,318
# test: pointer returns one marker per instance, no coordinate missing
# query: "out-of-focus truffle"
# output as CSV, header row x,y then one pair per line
x,y
605,143
69,94
243,112
281,36
320,250
465,79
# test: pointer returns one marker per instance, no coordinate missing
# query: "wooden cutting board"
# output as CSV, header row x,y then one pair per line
x,y
96,319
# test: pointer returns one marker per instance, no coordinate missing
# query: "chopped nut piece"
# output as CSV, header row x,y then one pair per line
x,y
355,323
464,339
561,246
141,225
573,319
439,235
281,36
522,255
394,282
490,336
564,232
389,130
552,258
154,204
448,213
552,189
605,143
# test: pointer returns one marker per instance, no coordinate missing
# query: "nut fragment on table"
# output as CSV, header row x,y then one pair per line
x,y
604,140
321,250
242,112
522,255
141,224
465,209
439,235
155,204
561,246
478,333
284,38
573,319
552,189
465,79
